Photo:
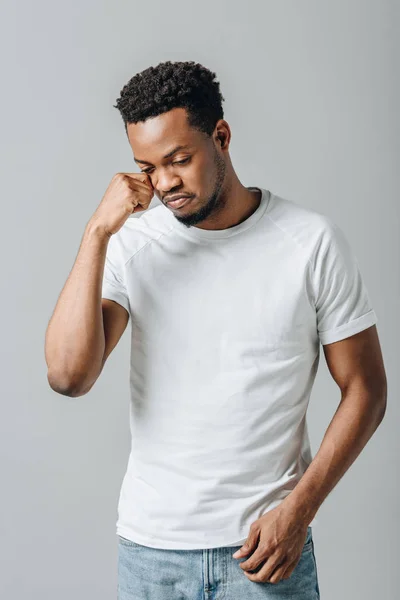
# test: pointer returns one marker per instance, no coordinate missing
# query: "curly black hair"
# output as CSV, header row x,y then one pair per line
x,y
171,85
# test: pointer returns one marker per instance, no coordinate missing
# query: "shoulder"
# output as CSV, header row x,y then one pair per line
x,y
308,228
138,231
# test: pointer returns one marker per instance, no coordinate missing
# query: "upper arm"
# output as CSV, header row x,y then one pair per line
x,y
115,320
357,360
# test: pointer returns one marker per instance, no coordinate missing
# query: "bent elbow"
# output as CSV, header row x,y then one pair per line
x,y
67,387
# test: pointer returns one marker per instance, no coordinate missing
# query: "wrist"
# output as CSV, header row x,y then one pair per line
x,y
97,230
298,508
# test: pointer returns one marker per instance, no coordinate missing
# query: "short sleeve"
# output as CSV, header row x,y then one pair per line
x,y
342,302
113,285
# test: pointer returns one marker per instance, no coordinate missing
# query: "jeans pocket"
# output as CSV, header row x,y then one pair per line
x,y
308,541
126,542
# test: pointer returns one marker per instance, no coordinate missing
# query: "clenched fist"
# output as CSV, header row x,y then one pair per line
x,y
127,193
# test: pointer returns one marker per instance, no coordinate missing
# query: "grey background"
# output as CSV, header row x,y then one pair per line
x,y
312,97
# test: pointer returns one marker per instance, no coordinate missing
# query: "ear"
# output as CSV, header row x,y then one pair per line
x,y
222,134
222,138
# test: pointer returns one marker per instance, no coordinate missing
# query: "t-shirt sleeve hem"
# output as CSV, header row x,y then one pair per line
x,y
348,329
111,294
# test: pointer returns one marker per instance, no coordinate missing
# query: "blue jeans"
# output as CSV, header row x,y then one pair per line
x,y
146,573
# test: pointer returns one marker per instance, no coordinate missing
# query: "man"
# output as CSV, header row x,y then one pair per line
x,y
230,291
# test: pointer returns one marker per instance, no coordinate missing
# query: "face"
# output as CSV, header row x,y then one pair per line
x,y
180,160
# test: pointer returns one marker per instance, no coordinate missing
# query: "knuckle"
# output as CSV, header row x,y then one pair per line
x,y
265,550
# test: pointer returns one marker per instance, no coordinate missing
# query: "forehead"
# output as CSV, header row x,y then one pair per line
x,y
158,135
160,132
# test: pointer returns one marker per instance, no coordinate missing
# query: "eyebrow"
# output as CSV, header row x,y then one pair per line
x,y
168,155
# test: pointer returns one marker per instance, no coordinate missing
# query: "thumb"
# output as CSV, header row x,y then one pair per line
x,y
249,545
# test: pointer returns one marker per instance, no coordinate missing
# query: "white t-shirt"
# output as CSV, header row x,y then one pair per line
x,y
226,327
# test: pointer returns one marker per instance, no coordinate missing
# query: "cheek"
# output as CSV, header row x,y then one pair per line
x,y
194,177
203,172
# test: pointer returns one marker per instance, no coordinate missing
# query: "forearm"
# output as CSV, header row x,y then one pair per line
x,y
74,345
356,419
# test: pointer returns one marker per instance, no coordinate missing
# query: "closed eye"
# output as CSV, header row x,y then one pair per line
x,y
177,162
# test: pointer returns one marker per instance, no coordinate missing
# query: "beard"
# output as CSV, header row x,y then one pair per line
x,y
214,202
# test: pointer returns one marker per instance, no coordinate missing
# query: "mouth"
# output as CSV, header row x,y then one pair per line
x,y
179,202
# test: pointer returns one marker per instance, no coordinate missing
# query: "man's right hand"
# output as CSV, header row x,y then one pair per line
x,y
127,193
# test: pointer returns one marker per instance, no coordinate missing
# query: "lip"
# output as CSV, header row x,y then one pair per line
x,y
179,202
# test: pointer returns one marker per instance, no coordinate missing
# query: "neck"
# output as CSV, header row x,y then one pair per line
x,y
237,204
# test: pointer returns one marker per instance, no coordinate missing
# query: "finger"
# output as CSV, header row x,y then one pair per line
x,y
259,556
148,193
249,545
287,572
278,574
271,571
135,184
141,177
139,207
290,567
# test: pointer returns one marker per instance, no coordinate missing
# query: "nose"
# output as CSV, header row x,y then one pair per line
x,y
166,181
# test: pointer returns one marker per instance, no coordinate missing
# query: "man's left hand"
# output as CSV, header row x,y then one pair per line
x,y
275,543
